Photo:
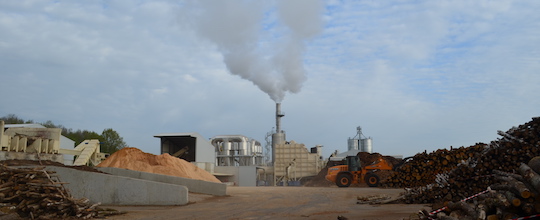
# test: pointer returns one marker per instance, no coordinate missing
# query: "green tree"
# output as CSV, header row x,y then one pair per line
x,y
80,135
50,124
111,141
13,119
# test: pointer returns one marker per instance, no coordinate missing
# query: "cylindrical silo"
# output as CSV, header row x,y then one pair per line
x,y
366,145
353,144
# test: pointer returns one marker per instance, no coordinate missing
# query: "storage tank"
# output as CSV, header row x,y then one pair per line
x,y
359,143
353,144
366,145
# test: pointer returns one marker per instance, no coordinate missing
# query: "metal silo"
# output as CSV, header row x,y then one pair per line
x,y
359,143
366,145
353,144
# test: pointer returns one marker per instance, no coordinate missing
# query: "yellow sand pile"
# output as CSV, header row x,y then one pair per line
x,y
134,159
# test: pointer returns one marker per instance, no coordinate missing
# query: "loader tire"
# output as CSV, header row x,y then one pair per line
x,y
343,180
372,180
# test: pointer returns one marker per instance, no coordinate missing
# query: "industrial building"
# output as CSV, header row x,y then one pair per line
x,y
191,147
234,159
292,161
239,160
36,142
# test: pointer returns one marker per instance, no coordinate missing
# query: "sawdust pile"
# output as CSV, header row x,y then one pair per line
x,y
134,159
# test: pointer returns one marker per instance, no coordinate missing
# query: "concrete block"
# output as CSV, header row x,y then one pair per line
x,y
194,186
118,190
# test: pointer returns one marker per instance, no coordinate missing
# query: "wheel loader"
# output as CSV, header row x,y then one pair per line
x,y
354,172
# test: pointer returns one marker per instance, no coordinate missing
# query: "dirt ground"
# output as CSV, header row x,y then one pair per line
x,y
278,203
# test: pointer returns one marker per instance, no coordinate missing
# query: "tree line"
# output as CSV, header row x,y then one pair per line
x,y
110,140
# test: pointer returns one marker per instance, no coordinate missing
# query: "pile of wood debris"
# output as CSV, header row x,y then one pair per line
x,y
496,174
36,193
422,168
512,196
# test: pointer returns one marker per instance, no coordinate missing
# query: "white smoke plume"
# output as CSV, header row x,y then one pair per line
x,y
261,41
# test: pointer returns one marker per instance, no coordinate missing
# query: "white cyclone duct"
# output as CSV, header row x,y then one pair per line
x,y
237,150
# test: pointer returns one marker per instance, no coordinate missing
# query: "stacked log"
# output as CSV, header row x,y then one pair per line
x,y
511,196
517,145
422,169
367,159
38,194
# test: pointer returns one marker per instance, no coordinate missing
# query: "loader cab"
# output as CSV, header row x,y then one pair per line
x,y
353,162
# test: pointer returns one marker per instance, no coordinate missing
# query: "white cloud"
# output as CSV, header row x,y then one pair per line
x,y
414,75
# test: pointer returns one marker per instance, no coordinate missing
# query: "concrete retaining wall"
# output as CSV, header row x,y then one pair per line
x,y
195,186
118,190
12,155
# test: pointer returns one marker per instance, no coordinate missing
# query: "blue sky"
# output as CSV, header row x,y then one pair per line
x,y
420,75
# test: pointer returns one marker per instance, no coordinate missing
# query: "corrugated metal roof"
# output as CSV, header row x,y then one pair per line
x,y
24,126
180,134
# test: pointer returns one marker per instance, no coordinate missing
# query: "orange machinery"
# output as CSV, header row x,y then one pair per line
x,y
353,172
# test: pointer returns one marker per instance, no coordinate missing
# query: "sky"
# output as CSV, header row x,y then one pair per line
x,y
415,75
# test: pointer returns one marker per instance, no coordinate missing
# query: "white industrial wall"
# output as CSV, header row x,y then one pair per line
x,y
239,175
205,150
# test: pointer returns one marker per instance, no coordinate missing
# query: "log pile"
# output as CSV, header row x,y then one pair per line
x,y
511,196
517,145
422,169
38,194
367,159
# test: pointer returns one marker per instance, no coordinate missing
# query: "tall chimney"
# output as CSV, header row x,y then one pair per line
x,y
279,114
279,136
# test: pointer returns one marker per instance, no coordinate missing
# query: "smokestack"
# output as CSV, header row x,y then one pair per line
x,y
279,114
279,136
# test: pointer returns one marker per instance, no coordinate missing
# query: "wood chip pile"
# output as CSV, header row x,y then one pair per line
x,y
134,159
38,194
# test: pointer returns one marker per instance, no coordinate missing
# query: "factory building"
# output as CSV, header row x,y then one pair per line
x,y
293,162
191,147
238,160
